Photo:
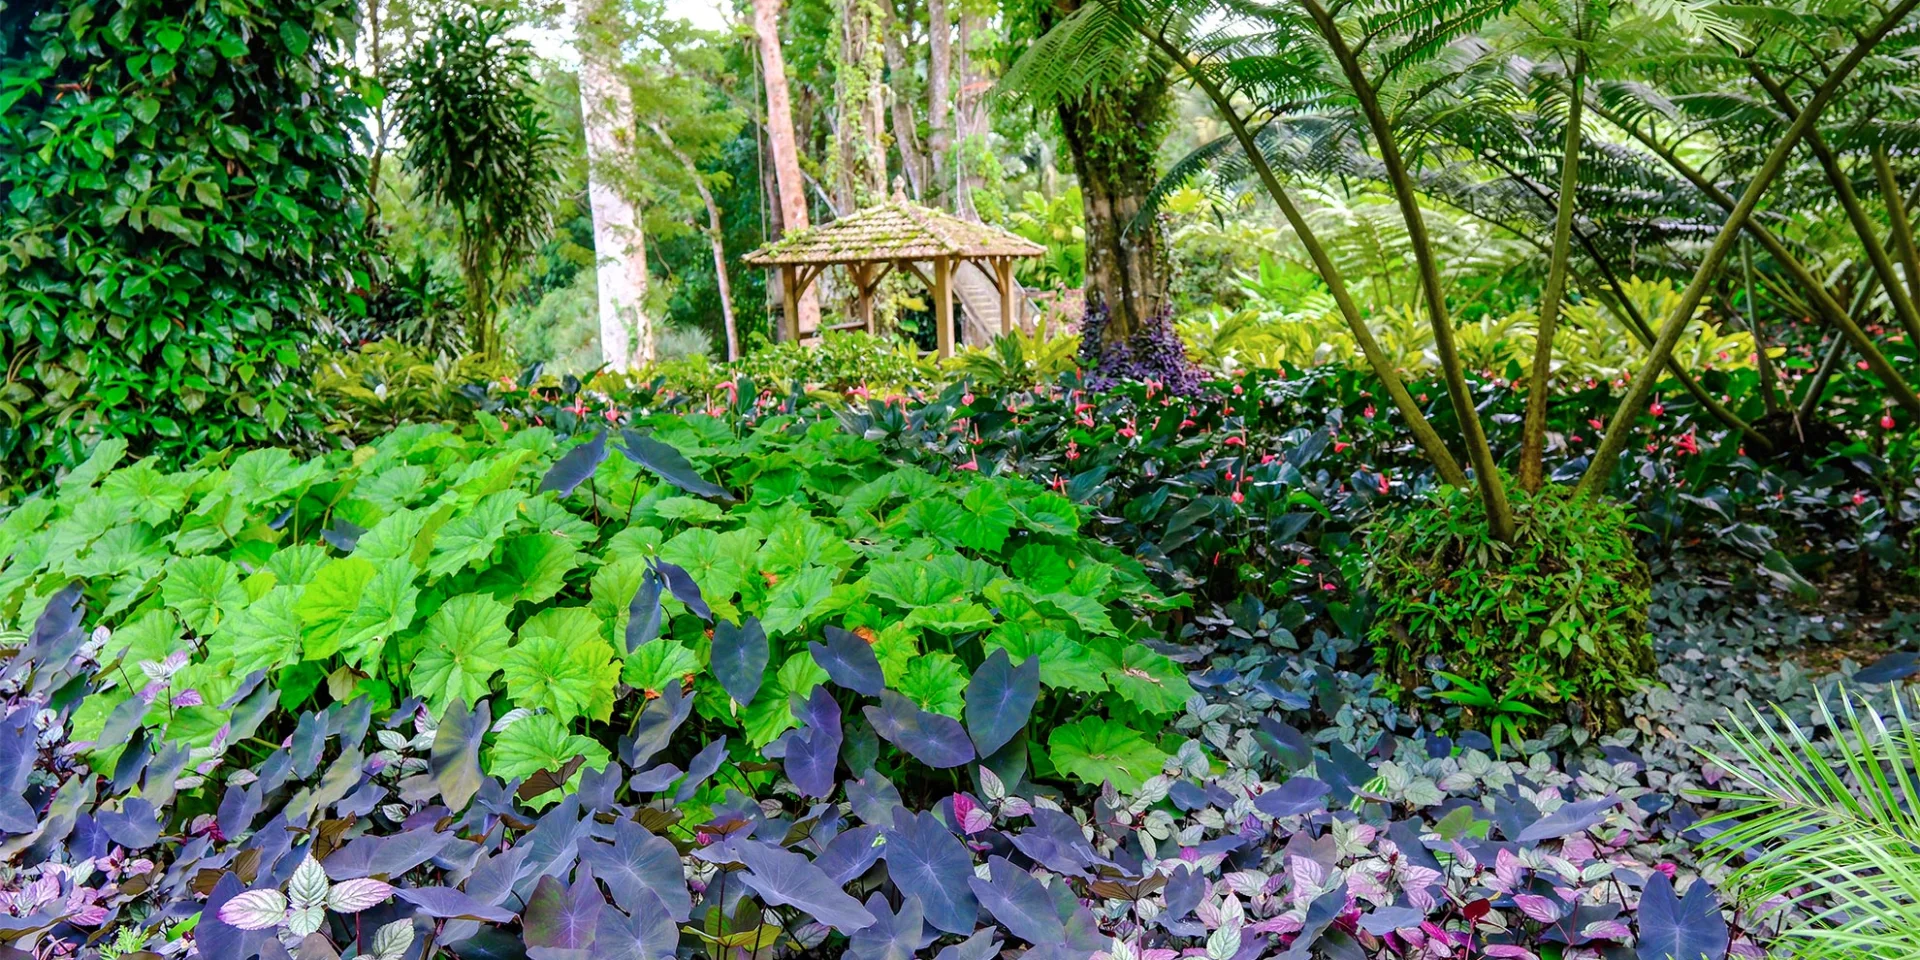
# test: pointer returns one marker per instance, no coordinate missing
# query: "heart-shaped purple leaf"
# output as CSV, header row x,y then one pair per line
x,y
739,658
643,612
639,865
814,754
935,740
1569,819
927,861
454,760
784,878
1676,929
1019,902
1297,796
576,466
670,465
561,916
446,903
849,661
1000,697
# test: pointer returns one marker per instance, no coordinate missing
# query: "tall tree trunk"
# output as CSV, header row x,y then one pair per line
x,y
1533,434
786,152
1127,330
620,252
859,158
970,116
715,235
906,136
939,101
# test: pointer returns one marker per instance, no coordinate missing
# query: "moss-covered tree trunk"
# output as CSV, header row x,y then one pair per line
x,y
1114,135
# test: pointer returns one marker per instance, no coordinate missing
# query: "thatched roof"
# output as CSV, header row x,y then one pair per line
x,y
896,230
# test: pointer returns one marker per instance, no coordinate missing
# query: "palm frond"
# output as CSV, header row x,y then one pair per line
x,y
1830,832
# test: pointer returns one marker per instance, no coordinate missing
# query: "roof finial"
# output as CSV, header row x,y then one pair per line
x,y
899,189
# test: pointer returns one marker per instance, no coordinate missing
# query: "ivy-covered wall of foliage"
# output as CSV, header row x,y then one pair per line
x,y
177,210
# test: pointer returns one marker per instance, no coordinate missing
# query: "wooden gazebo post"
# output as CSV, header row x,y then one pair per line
x,y
790,303
943,305
1003,272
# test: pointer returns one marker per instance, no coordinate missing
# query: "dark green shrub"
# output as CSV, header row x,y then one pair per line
x,y
1559,618
178,208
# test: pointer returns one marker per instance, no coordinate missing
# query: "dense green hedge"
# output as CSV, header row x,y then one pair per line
x,y
176,210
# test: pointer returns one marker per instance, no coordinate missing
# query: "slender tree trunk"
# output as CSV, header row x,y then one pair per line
x,y
715,234
1898,216
939,101
970,117
900,89
1533,439
859,159
1424,434
786,151
620,252
1769,377
1823,303
1493,491
1600,470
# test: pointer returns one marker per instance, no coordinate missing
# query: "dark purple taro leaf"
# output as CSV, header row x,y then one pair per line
x,y
701,767
680,584
1570,819
812,757
874,798
926,860
849,662
388,856
349,721
1384,920
935,740
553,844
649,934
1676,929
1055,841
163,774
343,534
984,944
217,939
643,613
784,878
655,779
1893,666
89,842
124,721
739,658
670,465
56,633
597,787
850,853
1297,796
17,755
1321,913
454,761
563,916
1344,771
1019,902
640,865
309,738
1184,891
1287,744
1000,697
446,903
891,936
135,825
653,728
573,469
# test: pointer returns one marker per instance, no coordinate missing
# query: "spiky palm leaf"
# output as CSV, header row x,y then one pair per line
x,y
1831,830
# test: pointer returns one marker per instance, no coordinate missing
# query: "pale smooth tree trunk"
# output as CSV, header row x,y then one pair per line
x,y
939,100
620,250
786,151
970,117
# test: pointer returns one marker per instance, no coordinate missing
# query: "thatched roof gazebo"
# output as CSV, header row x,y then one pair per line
x,y
896,235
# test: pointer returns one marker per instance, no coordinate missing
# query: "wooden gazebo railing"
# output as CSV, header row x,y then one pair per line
x,y
896,235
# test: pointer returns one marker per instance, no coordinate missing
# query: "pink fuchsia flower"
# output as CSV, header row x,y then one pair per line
x,y
1859,498
1235,441
1073,450
967,398
1368,412
1657,409
973,464
1340,446
1862,364
1886,421
1687,443
1239,497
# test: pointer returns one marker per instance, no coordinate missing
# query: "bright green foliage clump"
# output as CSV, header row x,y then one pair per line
x,y
176,213
431,563
1559,617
